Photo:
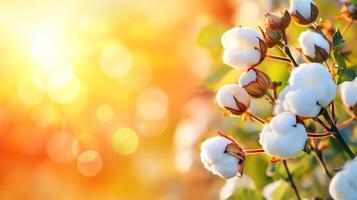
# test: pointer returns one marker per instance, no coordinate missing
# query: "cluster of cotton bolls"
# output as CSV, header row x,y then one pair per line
x,y
309,93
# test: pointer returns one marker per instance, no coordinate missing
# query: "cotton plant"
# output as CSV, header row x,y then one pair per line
x,y
308,99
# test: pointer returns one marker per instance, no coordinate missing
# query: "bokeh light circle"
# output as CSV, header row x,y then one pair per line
x,y
84,142
116,61
89,163
29,92
125,141
104,113
138,77
64,94
152,103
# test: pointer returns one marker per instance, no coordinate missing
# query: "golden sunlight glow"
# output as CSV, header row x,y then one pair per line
x,y
104,113
138,77
116,61
152,103
29,93
84,142
46,40
125,141
89,163
151,128
58,147
64,94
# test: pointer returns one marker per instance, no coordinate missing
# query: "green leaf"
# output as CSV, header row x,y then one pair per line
x,y
338,42
354,3
246,193
340,60
216,76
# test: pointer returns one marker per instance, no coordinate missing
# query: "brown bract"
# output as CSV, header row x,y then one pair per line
x,y
241,108
237,150
298,18
260,86
277,21
348,12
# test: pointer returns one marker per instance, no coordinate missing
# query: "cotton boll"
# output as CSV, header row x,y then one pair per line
x,y
314,46
233,98
303,11
302,102
348,91
283,122
216,159
316,76
244,58
343,185
243,47
283,138
255,82
240,38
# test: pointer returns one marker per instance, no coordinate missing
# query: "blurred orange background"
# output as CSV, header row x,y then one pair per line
x,y
102,99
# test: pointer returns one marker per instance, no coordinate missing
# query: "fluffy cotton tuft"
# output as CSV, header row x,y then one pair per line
x,y
348,91
343,185
247,77
216,160
302,102
309,39
226,94
311,88
301,6
283,136
279,107
241,47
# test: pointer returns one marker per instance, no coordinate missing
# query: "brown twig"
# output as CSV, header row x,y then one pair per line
x,y
292,183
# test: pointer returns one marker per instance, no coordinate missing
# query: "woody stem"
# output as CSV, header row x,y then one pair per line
x,y
278,58
314,135
258,119
338,135
286,49
253,151
288,53
347,123
292,183
321,160
271,98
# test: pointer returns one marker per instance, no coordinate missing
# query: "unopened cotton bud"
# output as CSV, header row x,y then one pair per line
x,y
233,99
243,47
272,37
283,137
255,82
349,11
343,185
277,21
217,157
303,12
348,91
311,88
314,46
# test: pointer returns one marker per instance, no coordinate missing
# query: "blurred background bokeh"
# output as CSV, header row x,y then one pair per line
x,y
108,99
